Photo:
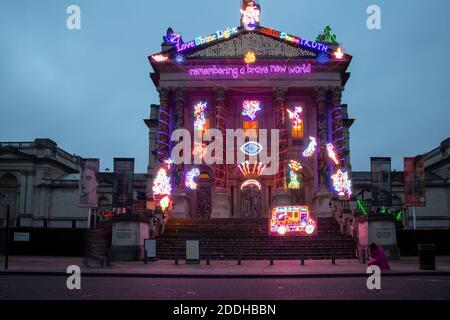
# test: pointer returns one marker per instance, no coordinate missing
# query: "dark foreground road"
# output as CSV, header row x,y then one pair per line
x,y
54,287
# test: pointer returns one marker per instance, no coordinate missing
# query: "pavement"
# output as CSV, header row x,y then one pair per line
x,y
33,265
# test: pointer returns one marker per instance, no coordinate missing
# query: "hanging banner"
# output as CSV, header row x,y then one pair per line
x,y
414,175
88,183
381,181
123,183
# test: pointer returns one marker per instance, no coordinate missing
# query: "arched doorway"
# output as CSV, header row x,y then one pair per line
x,y
251,199
203,196
9,184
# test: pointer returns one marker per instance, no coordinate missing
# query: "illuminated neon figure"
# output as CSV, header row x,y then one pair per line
x,y
250,16
294,167
332,153
250,57
161,184
341,183
190,176
200,150
339,54
295,116
257,170
164,202
309,151
291,220
250,107
251,182
160,57
199,115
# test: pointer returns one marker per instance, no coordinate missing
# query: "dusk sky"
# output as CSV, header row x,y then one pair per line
x,y
89,89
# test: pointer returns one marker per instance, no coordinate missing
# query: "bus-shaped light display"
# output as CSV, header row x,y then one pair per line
x,y
291,221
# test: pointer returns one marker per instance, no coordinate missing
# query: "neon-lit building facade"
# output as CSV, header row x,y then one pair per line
x,y
291,83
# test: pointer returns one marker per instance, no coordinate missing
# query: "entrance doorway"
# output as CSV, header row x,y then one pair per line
x,y
251,202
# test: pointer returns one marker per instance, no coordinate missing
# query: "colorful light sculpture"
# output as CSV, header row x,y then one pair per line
x,y
164,202
179,58
291,220
251,148
332,154
190,176
294,167
250,57
251,182
160,57
246,170
309,151
322,58
339,54
161,184
199,116
199,150
250,107
341,183
250,16
295,117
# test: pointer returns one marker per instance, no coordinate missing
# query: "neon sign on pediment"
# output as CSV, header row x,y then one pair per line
x,y
254,70
222,34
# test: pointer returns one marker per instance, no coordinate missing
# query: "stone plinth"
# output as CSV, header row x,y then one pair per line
x,y
128,234
220,205
282,198
321,204
180,205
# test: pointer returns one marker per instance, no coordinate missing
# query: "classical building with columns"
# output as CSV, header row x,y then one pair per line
x,y
252,77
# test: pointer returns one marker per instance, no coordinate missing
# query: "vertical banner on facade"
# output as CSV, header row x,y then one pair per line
x,y
89,182
414,175
381,181
123,182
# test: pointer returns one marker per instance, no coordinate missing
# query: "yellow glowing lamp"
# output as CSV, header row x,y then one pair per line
x,y
250,57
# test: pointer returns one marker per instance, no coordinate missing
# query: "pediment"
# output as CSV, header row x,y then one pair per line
x,y
262,45
12,154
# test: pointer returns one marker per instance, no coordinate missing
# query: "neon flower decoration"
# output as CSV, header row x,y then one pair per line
x,y
250,16
322,58
179,58
190,176
160,57
251,148
295,116
257,170
251,182
199,115
291,221
199,150
164,202
341,183
339,54
294,167
332,153
309,151
250,108
250,57
161,184
168,163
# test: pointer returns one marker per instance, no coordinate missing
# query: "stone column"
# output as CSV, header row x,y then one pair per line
x,y
337,125
322,198
220,207
282,194
163,126
180,198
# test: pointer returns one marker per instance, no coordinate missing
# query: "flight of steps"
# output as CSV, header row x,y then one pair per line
x,y
225,239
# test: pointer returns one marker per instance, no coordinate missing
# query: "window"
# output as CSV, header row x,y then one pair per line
x,y
297,131
251,125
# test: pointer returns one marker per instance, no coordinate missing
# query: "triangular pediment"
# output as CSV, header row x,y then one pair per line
x,y
262,45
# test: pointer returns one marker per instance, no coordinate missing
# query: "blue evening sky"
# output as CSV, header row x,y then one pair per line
x,y
89,89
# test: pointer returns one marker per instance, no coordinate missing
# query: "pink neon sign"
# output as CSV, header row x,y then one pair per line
x,y
236,72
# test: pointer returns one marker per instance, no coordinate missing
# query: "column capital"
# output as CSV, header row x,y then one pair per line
x,y
180,95
164,93
280,93
336,93
220,93
321,94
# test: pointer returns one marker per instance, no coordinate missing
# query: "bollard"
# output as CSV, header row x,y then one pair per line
x,y
333,259
176,258
145,257
271,260
239,259
302,259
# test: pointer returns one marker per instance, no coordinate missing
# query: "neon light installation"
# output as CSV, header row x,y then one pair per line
x,y
297,41
223,34
295,118
309,151
250,107
332,153
250,57
251,148
179,58
251,182
199,115
257,170
161,183
199,150
250,16
164,202
341,183
190,176
294,168
291,220
339,54
160,57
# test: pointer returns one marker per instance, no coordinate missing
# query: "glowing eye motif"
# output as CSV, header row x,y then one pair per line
x,y
251,148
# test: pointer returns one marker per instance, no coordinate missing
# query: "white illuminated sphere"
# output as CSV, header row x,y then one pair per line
x,y
309,229
281,230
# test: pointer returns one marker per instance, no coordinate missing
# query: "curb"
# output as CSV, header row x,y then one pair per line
x,y
221,276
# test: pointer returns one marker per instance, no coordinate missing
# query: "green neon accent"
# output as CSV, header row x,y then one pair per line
x,y
360,205
327,36
398,216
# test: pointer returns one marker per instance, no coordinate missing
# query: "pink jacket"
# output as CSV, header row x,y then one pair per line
x,y
378,258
